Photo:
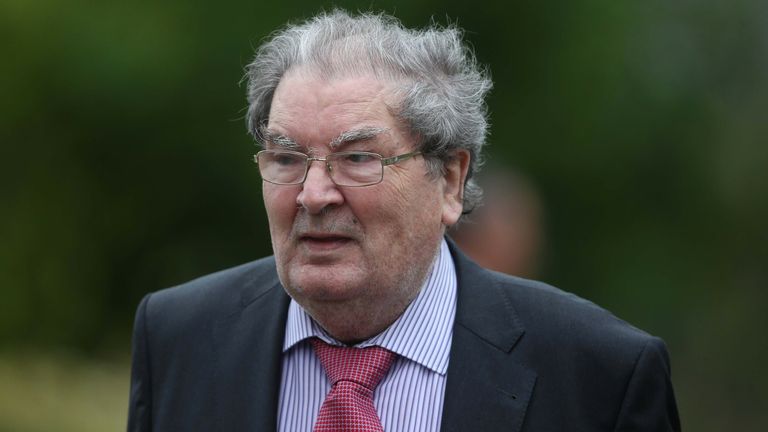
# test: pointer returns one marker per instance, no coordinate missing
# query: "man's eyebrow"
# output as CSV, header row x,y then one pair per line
x,y
361,134
277,139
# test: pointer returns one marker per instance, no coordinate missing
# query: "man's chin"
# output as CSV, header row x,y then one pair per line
x,y
316,296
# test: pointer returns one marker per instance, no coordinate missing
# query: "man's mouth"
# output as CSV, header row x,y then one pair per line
x,y
324,241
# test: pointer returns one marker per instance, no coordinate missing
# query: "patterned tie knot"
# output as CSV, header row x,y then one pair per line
x,y
354,374
363,366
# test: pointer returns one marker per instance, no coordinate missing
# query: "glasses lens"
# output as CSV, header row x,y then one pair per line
x,y
356,168
282,167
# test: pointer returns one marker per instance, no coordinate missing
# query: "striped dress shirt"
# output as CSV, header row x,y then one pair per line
x,y
410,396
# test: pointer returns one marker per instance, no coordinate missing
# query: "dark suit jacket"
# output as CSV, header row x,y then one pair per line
x,y
525,357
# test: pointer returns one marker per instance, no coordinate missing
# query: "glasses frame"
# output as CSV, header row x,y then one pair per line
x,y
309,159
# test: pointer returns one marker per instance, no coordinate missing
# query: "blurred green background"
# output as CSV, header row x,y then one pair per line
x,y
126,169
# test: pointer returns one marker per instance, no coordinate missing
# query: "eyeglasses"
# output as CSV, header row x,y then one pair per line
x,y
352,168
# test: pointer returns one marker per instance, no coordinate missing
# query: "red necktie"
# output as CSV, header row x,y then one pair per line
x,y
354,374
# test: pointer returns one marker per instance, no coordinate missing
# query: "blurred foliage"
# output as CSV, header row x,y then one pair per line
x,y
126,165
62,393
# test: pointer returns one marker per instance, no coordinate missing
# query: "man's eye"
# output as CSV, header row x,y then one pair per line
x,y
359,158
286,159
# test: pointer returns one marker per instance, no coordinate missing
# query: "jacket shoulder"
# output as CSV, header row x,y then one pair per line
x,y
570,320
210,296
608,373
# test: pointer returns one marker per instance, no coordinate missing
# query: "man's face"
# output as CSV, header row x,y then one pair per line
x,y
361,250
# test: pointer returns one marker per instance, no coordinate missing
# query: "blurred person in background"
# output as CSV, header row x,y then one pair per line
x,y
506,232
367,317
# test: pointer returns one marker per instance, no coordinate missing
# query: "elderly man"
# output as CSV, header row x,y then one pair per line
x,y
367,318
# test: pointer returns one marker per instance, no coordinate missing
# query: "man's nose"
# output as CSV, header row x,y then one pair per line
x,y
318,190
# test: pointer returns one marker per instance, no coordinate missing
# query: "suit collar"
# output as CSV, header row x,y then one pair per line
x,y
483,307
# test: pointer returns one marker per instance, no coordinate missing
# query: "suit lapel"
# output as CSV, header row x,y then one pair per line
x,y
248,351
486,390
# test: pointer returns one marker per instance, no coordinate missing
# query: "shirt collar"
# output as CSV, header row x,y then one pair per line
x,y
421,334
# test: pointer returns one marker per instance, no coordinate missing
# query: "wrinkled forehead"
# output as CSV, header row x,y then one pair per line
x,y
312,108
361,83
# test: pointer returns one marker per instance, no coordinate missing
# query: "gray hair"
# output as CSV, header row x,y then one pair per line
x,y
441,87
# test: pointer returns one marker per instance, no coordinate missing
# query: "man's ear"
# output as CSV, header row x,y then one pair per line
x,y
453,186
